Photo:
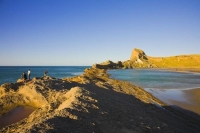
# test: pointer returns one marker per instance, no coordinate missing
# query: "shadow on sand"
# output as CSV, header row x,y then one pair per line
x,y
119,112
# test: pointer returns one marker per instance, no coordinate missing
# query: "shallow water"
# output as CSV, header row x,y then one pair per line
x,y
170,87
166,95
15,115
157,79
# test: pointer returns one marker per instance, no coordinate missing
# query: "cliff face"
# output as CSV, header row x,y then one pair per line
x,y
138,54
138,59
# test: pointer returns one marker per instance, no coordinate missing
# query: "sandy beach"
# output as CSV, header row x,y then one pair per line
x,y
184,70
194,96
196,70
186,98
91,102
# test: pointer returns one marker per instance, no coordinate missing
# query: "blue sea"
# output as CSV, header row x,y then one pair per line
x,y
157,79
13,73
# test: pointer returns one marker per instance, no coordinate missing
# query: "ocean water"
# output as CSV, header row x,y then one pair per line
x,y
146,78
169,87
157,79
13,73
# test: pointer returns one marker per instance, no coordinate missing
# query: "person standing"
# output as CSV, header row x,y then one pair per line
x,y
24,77
29,74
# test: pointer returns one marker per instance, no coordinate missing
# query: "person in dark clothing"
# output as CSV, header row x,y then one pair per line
x,y
24,76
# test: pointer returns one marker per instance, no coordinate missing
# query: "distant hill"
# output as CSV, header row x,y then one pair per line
x,y
139,59
180,61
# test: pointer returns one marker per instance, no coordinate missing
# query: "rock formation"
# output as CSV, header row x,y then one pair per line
x,y
108,65
138,54
139,59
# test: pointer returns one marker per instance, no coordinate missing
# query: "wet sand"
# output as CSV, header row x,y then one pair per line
x,y
193,96
190,95
188,99
15,115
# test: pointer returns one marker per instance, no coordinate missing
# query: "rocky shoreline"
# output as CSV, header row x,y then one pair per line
x,y
91,102
139,59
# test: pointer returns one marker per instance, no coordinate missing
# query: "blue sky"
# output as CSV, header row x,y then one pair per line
x,y
85,32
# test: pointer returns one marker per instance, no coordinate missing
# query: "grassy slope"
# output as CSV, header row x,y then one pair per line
x,y
181,61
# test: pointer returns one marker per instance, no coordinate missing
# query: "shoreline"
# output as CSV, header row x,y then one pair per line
x,y
182,70
194,96
90,102
188,95
185,98
191,94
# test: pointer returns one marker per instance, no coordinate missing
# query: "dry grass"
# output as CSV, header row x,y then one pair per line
x,y
181,61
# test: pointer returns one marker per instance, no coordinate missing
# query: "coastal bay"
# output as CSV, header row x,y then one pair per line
x,y
90,99
90,102
170,86
99,66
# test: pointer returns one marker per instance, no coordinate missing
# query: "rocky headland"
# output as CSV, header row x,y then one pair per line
x,y
139,59
89,103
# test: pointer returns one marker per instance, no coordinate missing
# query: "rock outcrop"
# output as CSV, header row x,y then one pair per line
x,y
138,54
139,59
108,65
